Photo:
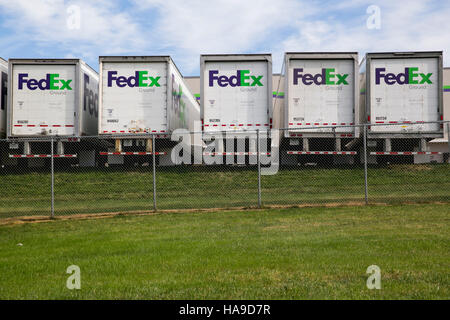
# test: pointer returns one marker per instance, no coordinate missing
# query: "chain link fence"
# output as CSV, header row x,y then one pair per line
x,y
346,165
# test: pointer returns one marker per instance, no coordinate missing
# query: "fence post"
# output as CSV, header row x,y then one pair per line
x,y
259,167
154,172
53,180
366,191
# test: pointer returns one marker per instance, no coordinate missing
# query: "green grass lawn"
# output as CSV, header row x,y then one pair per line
x,y
302,253
88,191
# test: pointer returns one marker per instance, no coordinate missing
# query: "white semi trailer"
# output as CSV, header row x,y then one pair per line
x,y
319,107
404,91
236,100
51,98
141,98
236,92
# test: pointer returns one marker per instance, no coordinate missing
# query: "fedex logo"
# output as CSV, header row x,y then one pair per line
x,y
410,76
140,79
50,82
241,79
328,76
90,98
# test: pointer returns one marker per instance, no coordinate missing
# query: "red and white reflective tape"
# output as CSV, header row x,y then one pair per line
x,y
235,153
402,153
133,131
238,125
45,125
401,122
131,153
324,152
343,135
42,156
321,124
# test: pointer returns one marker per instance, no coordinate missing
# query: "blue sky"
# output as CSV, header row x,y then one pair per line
x,y
185,29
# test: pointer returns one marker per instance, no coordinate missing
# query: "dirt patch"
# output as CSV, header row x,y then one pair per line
x,y
410,167
39,219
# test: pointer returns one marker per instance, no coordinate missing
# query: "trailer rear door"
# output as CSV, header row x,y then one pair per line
x,y
43,99
237,104
393,101
134,97
313,102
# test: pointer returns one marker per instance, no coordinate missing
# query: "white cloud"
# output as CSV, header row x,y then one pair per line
x,y
196,27
186,29
222,26
411,26
103,28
